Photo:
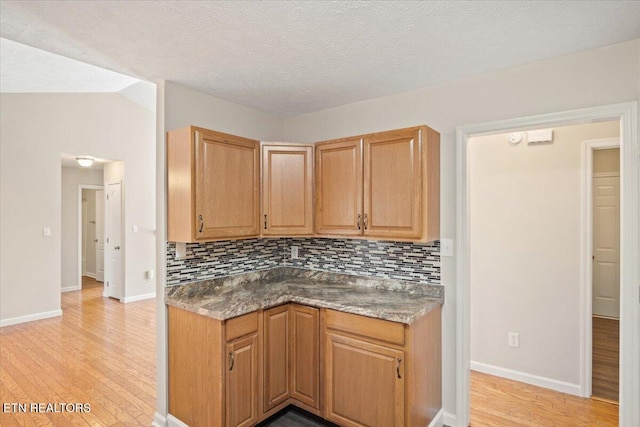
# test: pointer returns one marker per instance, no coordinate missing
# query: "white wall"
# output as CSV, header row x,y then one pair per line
x,y
35,129
71,179
186,107
525,254
595,77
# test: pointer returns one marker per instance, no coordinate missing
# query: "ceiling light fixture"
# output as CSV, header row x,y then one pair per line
x,y
85,162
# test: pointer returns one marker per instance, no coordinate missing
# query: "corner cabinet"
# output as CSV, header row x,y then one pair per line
x,y
381,185
352,370
213,182
287,190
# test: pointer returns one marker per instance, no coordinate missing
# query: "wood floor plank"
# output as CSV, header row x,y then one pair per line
x,y
100,352
606,358
497,402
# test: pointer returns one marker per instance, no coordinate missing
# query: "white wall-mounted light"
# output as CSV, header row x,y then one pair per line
x,y
85,162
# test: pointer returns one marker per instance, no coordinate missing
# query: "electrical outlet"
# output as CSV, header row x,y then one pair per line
x,y
294,252
514,339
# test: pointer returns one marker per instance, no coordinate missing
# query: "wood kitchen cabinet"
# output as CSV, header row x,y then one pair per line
x,y
381,185
287,190
213,184
349,369
305,356
339,187
365,383
276,356
382,373
241,382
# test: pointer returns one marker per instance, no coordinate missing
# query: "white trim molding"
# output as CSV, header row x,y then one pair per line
x,y
523,377
30,318
175,422
438,420
138,297
627,114
71,288
586,264
159,420
449,419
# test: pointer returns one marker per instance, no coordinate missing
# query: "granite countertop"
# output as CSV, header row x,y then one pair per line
x,y
227,297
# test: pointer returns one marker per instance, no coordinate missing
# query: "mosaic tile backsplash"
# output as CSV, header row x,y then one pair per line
x,y
414,262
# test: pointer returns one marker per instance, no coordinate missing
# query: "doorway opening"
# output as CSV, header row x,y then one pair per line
x,y
602,262
525,255
90,236
629,378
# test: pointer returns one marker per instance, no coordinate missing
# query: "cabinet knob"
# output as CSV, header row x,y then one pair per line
x,y
231,361
399,361
201,223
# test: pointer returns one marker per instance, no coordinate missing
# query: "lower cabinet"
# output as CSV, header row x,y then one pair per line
x,y
241,385
305,356
365,383
276,356
349,369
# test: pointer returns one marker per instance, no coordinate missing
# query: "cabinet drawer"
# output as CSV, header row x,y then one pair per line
x,y
377,329
241,325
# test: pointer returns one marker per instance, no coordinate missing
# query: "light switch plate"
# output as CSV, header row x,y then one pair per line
x,y
134,229
446,247
294,252
46,232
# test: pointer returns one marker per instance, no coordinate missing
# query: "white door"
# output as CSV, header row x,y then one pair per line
x,y
99,240
606,246
115,282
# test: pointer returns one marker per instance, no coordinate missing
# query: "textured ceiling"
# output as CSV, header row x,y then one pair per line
x,y
290,57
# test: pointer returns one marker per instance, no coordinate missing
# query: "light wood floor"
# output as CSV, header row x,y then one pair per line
x,y
90,282
100,352
606,358
499,402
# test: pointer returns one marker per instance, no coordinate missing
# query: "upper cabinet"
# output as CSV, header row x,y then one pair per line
x,y
213,185
382,185
339,187
287,190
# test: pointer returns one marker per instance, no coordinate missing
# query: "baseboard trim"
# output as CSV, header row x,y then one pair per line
x,y
523,377
30,318
175,422
70,288
92,275
437,420
449,419
139,297
159,420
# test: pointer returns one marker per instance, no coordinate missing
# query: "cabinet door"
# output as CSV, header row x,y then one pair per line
x,y
393,184
227,187
287,190
276,356
305,355
339,187
242,382
364,383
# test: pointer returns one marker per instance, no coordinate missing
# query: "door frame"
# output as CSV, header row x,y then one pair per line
x,y
627,114
586,291
80,236
107,269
